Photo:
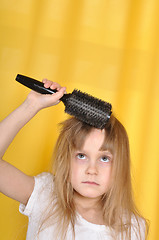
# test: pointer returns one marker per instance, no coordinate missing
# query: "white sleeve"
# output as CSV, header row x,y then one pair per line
x,y
39,198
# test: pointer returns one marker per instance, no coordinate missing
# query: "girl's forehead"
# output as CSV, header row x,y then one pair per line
x,y
79,136
94,138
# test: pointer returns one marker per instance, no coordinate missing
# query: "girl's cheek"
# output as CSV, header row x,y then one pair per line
x,y
104,164
77,165
80,161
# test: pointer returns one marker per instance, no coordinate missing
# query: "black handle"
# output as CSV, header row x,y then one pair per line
x,y
34,84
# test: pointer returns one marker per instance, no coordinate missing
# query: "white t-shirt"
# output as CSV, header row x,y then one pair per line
x,y
38,203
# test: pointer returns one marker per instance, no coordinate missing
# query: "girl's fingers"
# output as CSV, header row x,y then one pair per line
x,y
59,94
50,84
47,100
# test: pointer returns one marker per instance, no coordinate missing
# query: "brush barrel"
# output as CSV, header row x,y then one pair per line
x,y
88,109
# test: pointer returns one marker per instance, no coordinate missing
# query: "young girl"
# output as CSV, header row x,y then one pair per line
x,y
89,193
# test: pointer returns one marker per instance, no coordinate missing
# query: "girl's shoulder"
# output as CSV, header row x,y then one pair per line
x,y
137,221
138,227
44,179
44,184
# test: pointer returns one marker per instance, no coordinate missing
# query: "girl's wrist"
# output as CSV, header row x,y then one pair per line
x,y
31,106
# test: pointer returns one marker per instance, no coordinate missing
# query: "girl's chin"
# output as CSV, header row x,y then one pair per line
x,y
88,194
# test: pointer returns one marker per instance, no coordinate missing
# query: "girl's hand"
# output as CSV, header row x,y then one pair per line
x,y
41,101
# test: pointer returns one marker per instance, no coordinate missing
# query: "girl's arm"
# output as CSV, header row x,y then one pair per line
x,y
13,182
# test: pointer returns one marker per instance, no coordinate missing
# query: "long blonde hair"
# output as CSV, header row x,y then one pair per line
x,y
118,204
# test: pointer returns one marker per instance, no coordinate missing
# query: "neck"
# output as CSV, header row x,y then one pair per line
x,y
89,209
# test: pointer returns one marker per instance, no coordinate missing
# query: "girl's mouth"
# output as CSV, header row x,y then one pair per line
x,y
91,183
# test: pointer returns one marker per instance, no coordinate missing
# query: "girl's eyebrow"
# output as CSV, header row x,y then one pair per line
x,y
80,151
100,150
106,152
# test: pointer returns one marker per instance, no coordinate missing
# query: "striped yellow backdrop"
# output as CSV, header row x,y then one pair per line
x,y
108,48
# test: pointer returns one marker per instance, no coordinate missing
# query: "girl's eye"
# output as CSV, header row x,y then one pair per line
x,y
105,159
81,156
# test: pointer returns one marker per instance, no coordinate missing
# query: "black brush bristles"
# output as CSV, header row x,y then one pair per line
x,y
88,109
83,106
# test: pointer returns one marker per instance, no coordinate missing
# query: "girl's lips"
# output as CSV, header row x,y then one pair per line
x,y
91,183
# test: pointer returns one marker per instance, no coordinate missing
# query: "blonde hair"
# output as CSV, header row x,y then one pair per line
x,y
118,204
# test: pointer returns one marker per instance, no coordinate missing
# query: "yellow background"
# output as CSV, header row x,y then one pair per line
x,y
108,48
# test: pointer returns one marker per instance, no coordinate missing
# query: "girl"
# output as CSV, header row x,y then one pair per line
x,y
89,194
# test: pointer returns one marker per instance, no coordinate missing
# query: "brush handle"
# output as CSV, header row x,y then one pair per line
x,y
39,86
34,84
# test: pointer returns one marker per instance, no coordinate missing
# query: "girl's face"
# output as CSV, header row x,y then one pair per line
x,y
91,167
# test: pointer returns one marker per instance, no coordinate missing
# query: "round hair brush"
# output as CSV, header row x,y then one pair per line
x,y
83,106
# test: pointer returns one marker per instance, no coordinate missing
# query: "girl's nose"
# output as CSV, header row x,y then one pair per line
x,y
91,168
